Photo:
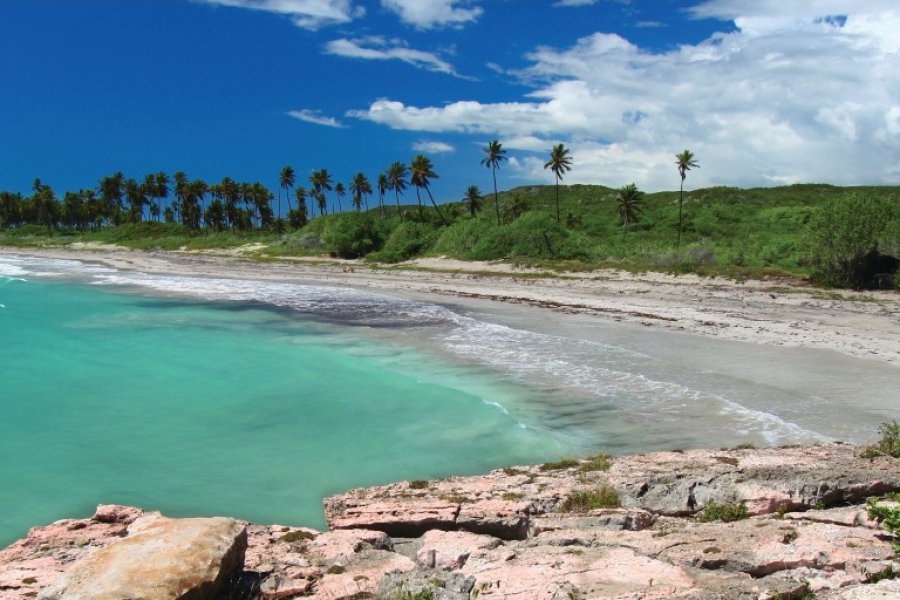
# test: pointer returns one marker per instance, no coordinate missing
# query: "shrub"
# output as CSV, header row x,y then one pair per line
x,y
407,240
723,512
888,445
888,517
459,239
351,235
588,500
533,235
843,239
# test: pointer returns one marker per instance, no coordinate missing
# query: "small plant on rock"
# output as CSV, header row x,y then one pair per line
x,y
583,501
601,462
723,512
565,463
889,518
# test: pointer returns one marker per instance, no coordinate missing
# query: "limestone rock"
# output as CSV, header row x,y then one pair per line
x,y
116,513
401,518
161,559
449,550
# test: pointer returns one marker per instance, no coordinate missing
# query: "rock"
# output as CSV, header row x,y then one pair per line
x,y
38,561
116,513
498,518
449,550
613,519
337,547
442,585
888,589
160,559
360,578
400,518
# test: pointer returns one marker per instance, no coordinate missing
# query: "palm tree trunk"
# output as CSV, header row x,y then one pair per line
x,y
680,202
399,212
558,220
496,198
419,200
440,214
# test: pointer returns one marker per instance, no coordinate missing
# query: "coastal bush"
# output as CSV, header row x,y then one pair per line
x,y
888,445
843,239
459,239
888,516
533,235
351,235
726,513
587,500
407,240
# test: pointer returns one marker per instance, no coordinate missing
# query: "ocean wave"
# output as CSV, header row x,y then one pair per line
x,y
587,376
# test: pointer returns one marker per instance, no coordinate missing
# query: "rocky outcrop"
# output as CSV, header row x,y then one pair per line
x,y
624,527
159,559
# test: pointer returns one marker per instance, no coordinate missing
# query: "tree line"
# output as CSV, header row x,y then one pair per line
x,y
242,206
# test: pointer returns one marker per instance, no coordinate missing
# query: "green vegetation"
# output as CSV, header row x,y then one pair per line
x,y
587,500
601,462
418,484
888,445
558,465
888,515
845,237
726,513
848,237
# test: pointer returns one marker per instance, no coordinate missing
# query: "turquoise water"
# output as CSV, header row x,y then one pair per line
x,y
200,396
222,408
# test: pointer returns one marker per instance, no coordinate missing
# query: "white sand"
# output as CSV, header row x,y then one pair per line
x,y
771,312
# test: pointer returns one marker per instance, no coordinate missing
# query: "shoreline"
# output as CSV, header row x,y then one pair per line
x,y
863,325
772,523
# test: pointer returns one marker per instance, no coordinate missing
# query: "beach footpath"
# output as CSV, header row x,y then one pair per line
x,y
770,523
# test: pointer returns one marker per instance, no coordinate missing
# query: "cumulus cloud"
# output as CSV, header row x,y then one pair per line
x,y
308,14
315,117
574,2
378,48
431,147
427,14
801,94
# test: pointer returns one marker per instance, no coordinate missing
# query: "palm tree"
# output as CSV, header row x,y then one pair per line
x,y
421,171
359,187
473,199
560,163
628,203
287,180
685,161
181,183
384,185
396,175
340,192
495,157
162,188
321,181
298,216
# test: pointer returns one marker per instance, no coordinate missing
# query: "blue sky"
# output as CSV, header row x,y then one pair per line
x,y
764,93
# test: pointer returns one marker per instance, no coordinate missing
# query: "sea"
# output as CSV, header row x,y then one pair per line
x,y
255,399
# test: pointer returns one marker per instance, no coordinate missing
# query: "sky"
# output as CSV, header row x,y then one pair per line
x,y
764,93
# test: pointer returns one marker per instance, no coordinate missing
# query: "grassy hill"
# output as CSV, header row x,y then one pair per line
x,y
731,231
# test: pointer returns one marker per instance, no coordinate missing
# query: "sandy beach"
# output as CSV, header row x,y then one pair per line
x,y
768,312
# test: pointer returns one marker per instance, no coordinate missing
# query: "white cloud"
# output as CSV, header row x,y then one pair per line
x,y
574,2
308,14
426,14
315,117
794,97
378,48
431,147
